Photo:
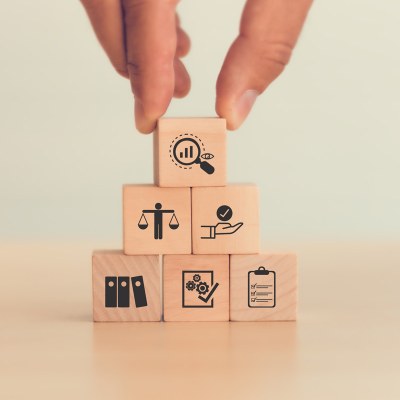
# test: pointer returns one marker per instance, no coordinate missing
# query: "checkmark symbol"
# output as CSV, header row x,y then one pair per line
x,y
226,212
206,299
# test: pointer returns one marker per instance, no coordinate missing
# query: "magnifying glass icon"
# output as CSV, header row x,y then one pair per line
x,y
187,152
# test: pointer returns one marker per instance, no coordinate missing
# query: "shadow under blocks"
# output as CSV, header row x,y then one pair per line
x,y
192,239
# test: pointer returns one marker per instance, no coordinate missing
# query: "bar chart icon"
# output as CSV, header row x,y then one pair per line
x,y
187,152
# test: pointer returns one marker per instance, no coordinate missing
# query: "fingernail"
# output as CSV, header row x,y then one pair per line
x,y
243,106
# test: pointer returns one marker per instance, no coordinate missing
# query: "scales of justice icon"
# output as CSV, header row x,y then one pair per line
x,y
158,216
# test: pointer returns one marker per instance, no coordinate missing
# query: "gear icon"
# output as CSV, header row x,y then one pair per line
x,y
190,285
202,288
196,277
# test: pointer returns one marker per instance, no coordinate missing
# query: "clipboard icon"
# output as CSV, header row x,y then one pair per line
x,y
261,288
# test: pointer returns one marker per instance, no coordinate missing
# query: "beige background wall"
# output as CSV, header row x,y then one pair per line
x,y
323,141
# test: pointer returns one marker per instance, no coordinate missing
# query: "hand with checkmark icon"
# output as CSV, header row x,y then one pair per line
x,y
224,214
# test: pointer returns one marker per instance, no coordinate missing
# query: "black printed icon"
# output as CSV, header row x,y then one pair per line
x,y
187,150
224,214
111,291
117,292
198,289
123,291
139,292
158,216
261,288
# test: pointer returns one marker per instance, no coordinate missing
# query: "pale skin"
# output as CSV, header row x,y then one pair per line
x,y
145,43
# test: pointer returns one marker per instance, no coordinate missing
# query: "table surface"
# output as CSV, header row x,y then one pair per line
x,y
346,343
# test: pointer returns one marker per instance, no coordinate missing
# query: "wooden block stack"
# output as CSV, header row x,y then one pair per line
x,y
193,240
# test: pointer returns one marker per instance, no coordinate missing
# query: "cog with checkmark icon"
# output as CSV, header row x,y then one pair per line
x,y
224,214
198,289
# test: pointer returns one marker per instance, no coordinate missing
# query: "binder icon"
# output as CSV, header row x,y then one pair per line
x,y
123,291
139,292
117,291
111,291
261,288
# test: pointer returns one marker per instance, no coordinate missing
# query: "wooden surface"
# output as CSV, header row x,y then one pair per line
x,y
174,265
137,198
107,263
345,344
243,200
279,302
171,170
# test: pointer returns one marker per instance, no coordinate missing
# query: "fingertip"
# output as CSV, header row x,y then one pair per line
x,y
181,92
243,106
236,110
183,43
123,72
144,124
152,96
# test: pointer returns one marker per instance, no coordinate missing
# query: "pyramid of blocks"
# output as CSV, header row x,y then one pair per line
x,y
191,247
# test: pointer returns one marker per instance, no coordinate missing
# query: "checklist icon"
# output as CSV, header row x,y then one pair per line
x,y
261,288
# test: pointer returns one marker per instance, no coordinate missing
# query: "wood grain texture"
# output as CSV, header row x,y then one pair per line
x,y
285,268
243,199
174,265
108,263
346,342
137,198
209,133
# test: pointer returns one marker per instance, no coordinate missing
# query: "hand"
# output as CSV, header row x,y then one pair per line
x,y
225,228
144,42
222,228
268,33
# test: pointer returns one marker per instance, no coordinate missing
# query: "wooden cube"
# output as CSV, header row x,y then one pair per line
x,y
225,220
263,287
156,220
190,152
196,288
126,288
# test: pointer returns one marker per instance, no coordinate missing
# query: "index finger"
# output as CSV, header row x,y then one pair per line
x,y
151,39
106,19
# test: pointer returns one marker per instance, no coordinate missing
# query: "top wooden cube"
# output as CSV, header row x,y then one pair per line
x,y
190,152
